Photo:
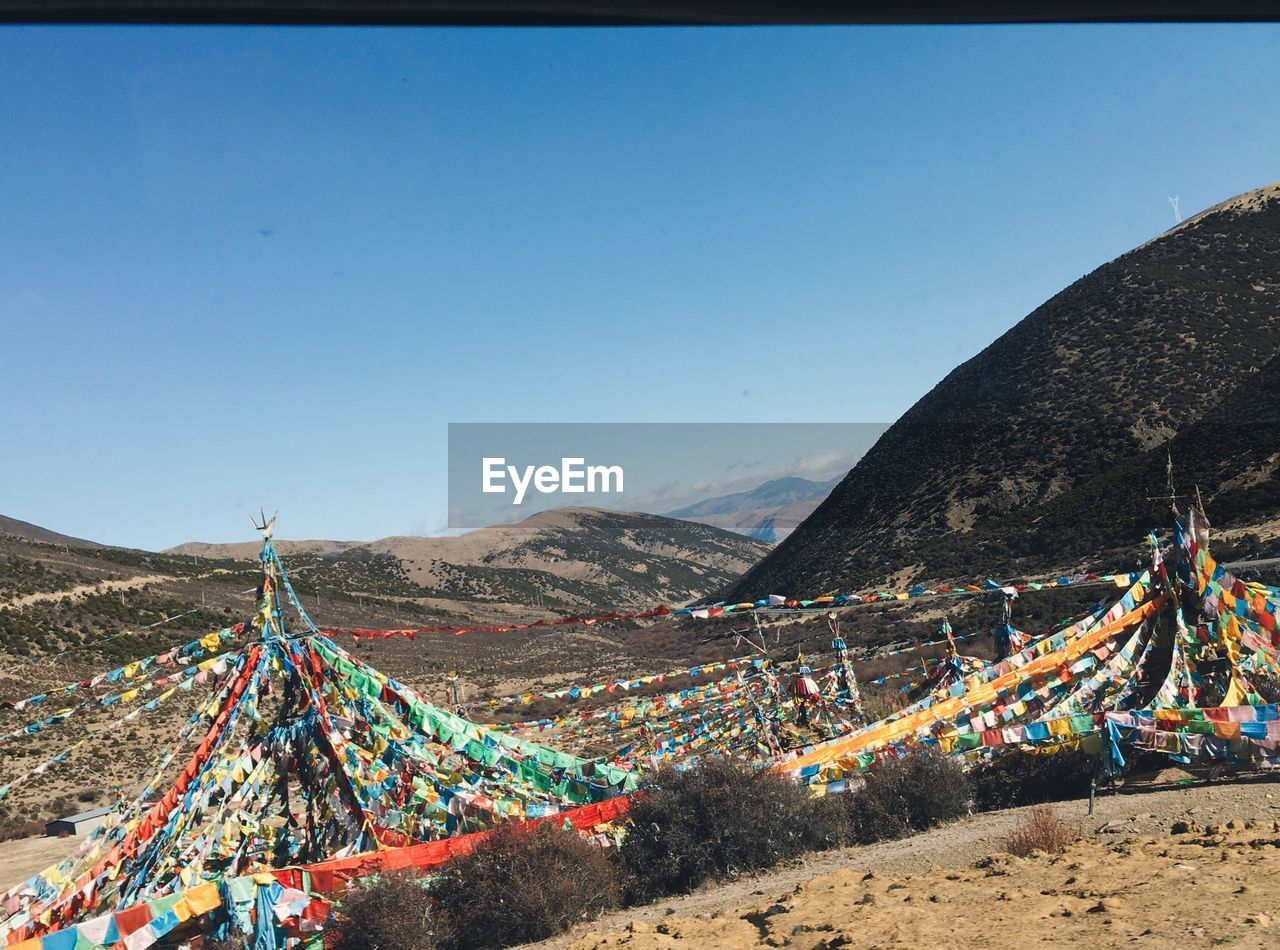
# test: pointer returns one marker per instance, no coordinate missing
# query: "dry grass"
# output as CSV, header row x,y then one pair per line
x,y
1043,831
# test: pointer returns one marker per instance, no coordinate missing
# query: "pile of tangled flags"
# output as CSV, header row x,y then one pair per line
x,y
306,768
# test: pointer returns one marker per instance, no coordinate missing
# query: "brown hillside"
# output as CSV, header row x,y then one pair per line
x,y
1112,367
568,558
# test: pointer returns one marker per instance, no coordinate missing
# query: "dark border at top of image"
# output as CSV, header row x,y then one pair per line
x,y
630,12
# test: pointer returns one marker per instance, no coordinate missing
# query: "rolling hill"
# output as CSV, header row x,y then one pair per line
x,y
60,595
1031,453
68,611
567,558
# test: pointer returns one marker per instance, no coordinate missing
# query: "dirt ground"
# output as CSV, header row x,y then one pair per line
x,y
22,858
1130,881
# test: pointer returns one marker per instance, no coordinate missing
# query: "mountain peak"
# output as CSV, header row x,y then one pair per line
x,y
1248,202
1114,366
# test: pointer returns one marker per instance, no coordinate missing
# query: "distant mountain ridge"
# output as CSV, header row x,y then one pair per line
x,y
1152,350
96,608
569,558
33,532
768,512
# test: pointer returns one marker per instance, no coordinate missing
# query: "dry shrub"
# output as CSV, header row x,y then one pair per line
x,y
522,885
1025,778
906,795
716,820
24,829
392,912
880,702
1043,831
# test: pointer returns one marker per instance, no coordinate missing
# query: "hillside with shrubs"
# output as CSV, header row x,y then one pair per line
x,y
1048,448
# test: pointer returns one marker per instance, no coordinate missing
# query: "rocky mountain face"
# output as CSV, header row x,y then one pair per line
x,y
1043,449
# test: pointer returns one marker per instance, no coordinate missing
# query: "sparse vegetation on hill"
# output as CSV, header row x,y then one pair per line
x,y
1022,778
389,913
1043,449
571,559
715,821
109,626
1043,831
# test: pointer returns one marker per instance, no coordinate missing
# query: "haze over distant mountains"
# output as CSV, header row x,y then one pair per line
x,y
1043,450
768,512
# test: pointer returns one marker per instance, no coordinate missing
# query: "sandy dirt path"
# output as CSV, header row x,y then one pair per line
x,y
27,856
1120,856
81,590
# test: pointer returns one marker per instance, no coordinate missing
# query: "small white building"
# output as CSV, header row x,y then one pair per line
x,y
79,824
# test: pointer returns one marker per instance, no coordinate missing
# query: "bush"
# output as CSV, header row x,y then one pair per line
x,y
1023,778
22,829
521,885
389,913
716,820
823,823
905,795
1043,831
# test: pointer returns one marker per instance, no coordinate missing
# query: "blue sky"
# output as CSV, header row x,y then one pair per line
x,y
243,267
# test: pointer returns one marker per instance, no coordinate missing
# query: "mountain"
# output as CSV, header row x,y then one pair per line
x,y
120,602
95,608
567,558
1149,354
1230,457
768,512
31,532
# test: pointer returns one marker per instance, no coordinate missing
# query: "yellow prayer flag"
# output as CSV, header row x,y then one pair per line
x,y
202,898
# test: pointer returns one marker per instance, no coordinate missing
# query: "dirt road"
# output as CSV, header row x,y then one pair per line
x,y
1128,882
81,590
27,856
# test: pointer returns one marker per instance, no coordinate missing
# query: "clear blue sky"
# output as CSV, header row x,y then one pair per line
x,y
268,266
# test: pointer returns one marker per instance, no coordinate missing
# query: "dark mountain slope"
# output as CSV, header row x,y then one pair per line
x,y
1111,367
33,532
1232,455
